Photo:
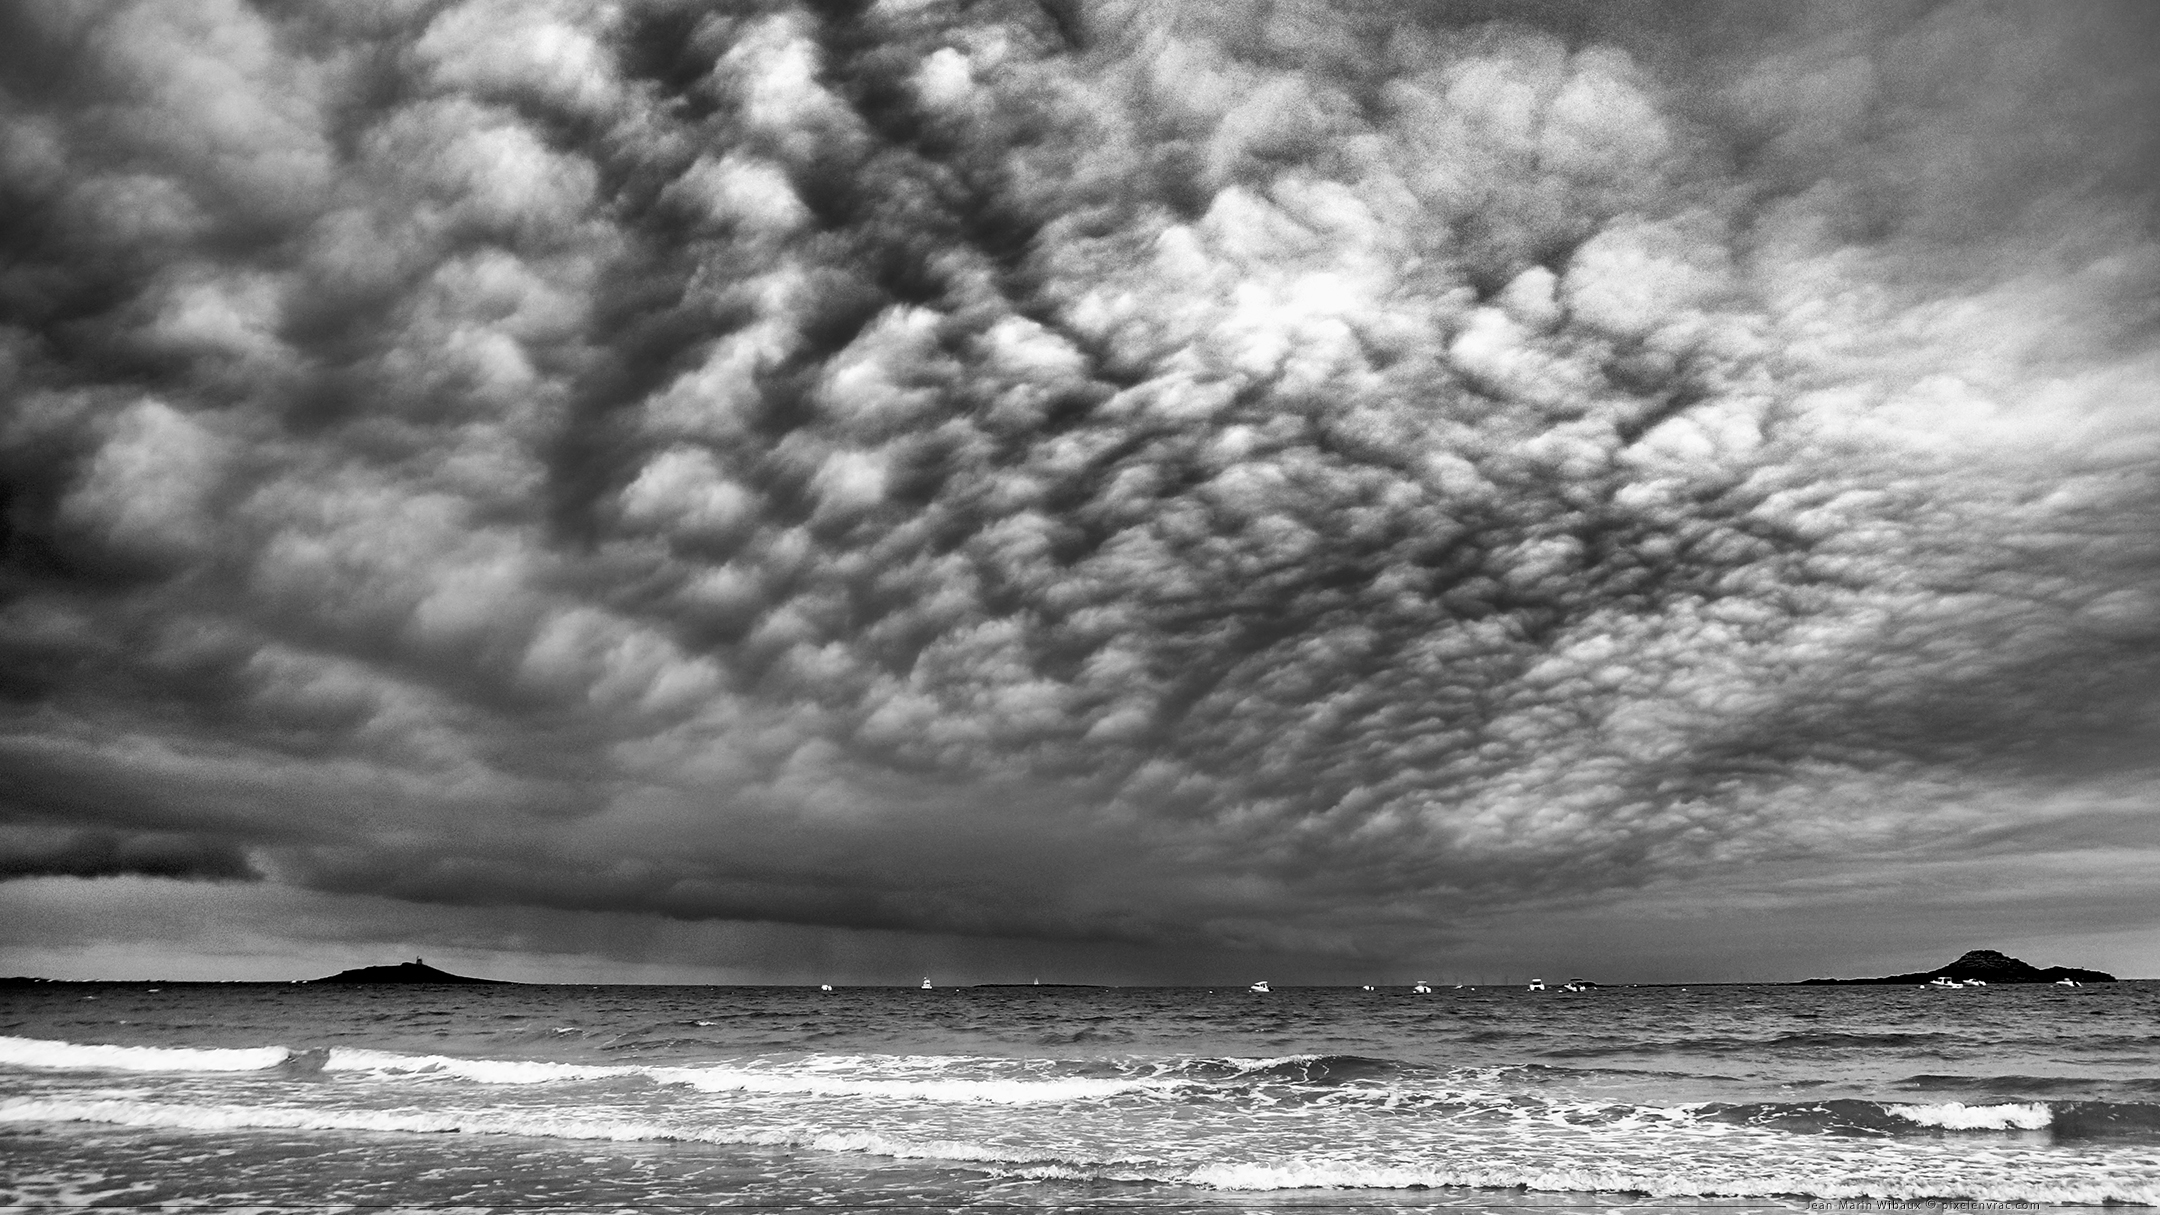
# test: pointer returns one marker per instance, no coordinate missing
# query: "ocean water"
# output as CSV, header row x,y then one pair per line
x,y
524,1098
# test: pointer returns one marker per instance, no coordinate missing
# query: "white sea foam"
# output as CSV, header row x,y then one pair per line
x,y
1256,1063
74,1056
172,1115
929,1079
255,1117
999,1091
871,1143
912,1079
175,1116
1957,1116
1351,1174
1825,1179
484,1071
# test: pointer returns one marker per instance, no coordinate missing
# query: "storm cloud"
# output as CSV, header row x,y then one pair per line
x,y
1273,475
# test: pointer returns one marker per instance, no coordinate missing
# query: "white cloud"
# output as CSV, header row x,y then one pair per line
x,y
495,47
150,486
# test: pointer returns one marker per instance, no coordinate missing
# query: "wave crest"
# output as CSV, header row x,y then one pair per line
x,y
45,1054
1957,1116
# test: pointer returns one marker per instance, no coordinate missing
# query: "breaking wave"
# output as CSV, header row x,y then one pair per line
x,y
926,1079
77,1056
1296,1069
918,1079
1957,1116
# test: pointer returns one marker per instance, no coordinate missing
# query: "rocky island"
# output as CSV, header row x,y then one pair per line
x,y
1988,965
415,971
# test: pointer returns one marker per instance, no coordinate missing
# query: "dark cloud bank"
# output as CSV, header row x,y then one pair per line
x,y
1293,477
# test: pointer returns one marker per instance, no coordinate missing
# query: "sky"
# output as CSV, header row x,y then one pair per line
x,y
657,491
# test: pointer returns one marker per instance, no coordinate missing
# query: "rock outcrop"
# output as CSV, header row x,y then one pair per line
x,y
415,971
1989,965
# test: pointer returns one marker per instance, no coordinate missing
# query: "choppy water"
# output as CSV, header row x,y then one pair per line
x,y
604,1098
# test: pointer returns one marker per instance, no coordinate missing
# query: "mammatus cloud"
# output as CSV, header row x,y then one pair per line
x,y
1289,475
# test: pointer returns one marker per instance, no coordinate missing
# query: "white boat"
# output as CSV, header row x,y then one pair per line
x,y
1537,985
1368,987
2068,983
1944,981
1261,986
1578,985
1421,987
1976,982
824,987
926,982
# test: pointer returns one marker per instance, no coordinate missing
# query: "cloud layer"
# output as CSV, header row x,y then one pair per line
x,y
1292,476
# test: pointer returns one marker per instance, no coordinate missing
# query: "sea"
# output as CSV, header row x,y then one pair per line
x,y
277,1097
